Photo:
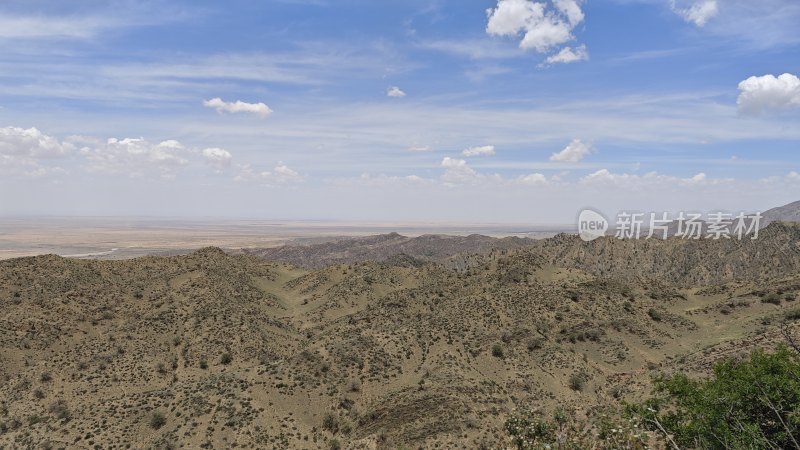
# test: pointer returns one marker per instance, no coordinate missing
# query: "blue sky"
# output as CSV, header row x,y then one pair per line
x,y
460,110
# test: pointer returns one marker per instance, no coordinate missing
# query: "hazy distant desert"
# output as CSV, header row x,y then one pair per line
x,y
115,238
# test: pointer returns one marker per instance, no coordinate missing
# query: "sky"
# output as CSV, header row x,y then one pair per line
x,y
478,111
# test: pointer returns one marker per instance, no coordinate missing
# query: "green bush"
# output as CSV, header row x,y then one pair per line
x,y
754,403
655,314
157,420
793,314
577,381
226,358
497,351
772,299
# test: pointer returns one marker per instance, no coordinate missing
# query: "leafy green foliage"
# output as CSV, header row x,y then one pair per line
x,y
754,403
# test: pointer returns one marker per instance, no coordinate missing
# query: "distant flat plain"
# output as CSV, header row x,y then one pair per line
x,y
121,238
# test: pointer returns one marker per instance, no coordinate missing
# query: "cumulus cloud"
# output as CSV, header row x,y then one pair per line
x,y
534,179
259,109
768,93
604,176
31,153
697,12
382,180
280,175
568,55
574,152
135,157
542,28
456,171
217,157
571,9
485,150
396,92
30,143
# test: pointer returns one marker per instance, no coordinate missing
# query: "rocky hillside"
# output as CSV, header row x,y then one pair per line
x,y
384,247
210,350
786,213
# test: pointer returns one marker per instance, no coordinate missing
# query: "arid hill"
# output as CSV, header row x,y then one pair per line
x,y
210,350
383,247
785,213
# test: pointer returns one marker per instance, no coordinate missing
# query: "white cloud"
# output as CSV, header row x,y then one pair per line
x,y
419,148
238,106
280,175
547,34
534,179
574,152
217,157
650,179
485,150
135,157
569,55
30,143
698,12
456,171
768,93
542,29
571,9
31,153
396,92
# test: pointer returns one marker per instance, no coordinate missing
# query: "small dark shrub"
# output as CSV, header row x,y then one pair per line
x,y
655,314
157,420
497,351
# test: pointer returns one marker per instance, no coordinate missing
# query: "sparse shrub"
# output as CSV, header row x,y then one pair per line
x,y
790,297
46,377
354,385
793,314
497,351
726,310
59,409
330,423
655,314
577,381
34,419
535,343
334,444
529,431
226,358
38,394
203,364
772,299
628,306
157,420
